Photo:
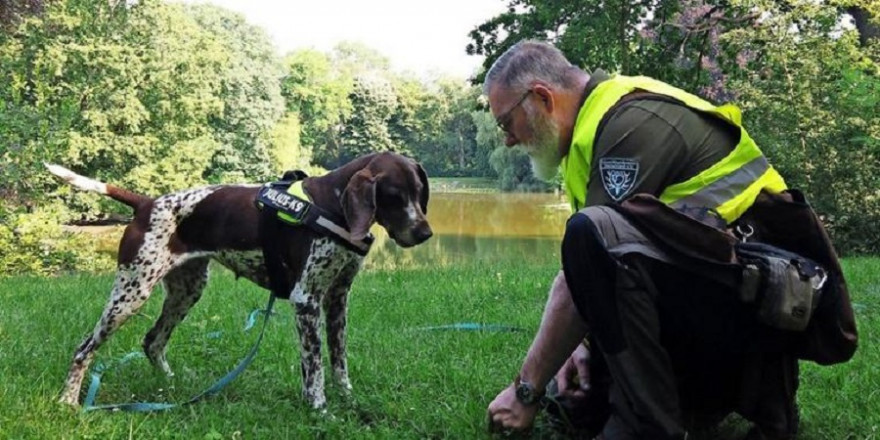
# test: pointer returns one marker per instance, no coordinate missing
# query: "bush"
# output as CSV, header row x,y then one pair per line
x,y
34,243
515,171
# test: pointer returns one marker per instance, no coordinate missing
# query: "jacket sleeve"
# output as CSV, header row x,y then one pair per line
x,y
664,142
638,145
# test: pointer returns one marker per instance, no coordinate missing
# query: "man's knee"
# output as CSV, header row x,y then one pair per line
x,y
590,274
582,238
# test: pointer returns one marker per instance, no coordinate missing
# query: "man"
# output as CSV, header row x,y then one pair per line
x,y
672,345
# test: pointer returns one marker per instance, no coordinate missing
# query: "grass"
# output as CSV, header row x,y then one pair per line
x,y
464,185
408,383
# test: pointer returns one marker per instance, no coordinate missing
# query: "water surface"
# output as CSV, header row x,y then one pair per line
x,y
486,226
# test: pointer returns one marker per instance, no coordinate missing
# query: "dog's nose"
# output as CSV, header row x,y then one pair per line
x,y
423,234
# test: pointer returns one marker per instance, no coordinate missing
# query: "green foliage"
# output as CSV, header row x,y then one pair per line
x,y
34,243
112,91
350,104
807,84
13,11
346,100
373,102
285,149
514,170
591,33
442,133
250,90
811,103
316,92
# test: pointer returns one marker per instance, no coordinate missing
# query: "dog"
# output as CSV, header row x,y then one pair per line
x,y
173,237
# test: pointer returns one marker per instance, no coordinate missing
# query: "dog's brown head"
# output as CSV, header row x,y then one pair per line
x,y
391,190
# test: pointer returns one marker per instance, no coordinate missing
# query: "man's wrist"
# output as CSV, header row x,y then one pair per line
x,y
526,392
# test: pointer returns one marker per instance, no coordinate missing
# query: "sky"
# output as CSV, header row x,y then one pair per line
x,y
421,36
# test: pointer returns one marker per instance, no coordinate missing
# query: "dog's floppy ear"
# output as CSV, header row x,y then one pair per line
x,y
359,203
423,197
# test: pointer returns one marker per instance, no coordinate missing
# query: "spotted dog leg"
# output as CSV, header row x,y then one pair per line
x,y
336,308
130,291
183,288
318,273
308,321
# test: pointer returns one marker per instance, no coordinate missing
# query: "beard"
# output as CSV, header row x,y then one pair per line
x,y
543,149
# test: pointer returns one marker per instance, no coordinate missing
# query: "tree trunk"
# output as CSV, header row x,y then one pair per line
x,y
868,29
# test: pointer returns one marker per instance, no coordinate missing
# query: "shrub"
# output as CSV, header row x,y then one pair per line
x,y
34,243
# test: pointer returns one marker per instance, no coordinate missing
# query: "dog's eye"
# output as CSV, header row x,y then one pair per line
x,y
390,197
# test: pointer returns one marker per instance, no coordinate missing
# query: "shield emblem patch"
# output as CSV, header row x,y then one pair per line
x,y
618,176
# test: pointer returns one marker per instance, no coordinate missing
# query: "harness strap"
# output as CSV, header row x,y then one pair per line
x,y
269,229
286,205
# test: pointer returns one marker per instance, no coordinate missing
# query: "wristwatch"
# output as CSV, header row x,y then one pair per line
x,y
526,392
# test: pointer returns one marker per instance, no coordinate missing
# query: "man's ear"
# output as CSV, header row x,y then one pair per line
x,y
359,203
546,95
426,192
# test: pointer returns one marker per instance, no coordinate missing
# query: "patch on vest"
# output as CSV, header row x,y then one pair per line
x,y
618,175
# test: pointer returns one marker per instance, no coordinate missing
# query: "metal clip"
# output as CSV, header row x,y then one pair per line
x,y
820,283
745,234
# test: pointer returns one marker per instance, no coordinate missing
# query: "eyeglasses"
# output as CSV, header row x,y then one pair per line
x,y
504,120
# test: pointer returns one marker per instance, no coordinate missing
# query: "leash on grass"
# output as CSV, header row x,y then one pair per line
x,y
100,368
471,326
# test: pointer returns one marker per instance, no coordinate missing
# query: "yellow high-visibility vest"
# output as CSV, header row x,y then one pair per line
x,y
730,186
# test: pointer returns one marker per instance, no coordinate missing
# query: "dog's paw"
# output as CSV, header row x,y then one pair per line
x,y
345,386
69,400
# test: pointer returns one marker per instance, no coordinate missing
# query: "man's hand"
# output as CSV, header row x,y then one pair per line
x,y
507,414
573,379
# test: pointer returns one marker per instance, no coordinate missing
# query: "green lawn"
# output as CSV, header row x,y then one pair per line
x,y
408,383
463,184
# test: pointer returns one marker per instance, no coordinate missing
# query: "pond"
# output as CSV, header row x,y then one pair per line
x,y
486,226
489,226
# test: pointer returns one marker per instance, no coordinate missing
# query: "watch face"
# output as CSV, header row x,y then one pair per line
x,y
525,393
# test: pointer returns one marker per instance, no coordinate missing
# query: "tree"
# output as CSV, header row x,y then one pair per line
x,y
250,85
318,94
12,11
357,125
510,165
118,92
810,99
789,64
865,15
591,33
373,102
443,132
413,124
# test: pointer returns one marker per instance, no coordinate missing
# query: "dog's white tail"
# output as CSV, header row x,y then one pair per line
x,y
81,182
84,183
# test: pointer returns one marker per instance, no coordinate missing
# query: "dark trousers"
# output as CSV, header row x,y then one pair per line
x,y
680,349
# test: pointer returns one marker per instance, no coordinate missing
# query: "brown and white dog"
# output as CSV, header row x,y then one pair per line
x,y
173,237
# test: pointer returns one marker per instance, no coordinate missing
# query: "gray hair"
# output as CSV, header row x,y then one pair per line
x,y
529,61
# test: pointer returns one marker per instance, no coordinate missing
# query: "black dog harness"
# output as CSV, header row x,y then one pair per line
x,y
286,203
293,207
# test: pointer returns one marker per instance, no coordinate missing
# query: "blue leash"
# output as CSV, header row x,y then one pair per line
x,y
88,404
472,326
100,368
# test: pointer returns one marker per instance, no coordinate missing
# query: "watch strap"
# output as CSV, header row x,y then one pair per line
x,y
526,392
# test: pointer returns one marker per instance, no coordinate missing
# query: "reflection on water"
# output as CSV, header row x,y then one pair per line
x,y
480,226
489,227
